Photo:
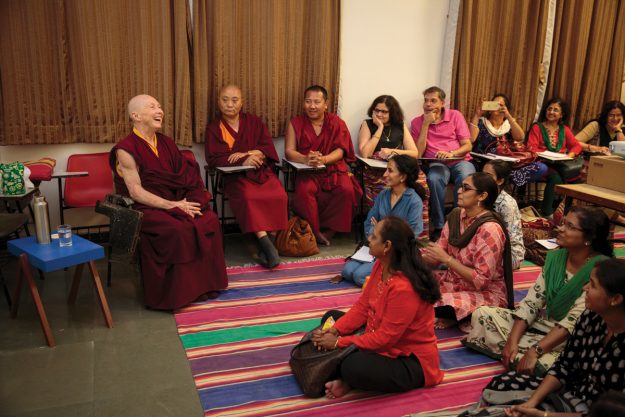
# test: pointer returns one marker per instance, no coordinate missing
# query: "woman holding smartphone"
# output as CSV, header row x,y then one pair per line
x,y
490,128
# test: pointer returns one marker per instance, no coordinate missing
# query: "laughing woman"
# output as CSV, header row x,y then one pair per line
x,y
530,338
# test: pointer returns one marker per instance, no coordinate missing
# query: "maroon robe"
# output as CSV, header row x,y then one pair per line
x,y
256,197
181,257
328,198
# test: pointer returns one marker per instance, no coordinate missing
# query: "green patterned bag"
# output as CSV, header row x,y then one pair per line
x,y
13,178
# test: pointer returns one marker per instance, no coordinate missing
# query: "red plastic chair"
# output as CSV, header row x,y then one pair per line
x,y
83,192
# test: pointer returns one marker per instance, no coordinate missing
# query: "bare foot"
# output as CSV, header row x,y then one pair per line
x,y
443,323
336,279
337,388
322,239
465,326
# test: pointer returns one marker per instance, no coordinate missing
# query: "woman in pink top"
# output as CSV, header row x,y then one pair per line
x,y
397,351
550,133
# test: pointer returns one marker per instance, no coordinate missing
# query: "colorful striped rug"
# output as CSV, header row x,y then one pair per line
x,y
238,347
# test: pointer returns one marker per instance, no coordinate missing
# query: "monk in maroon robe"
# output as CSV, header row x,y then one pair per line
x,y
256,196
180,249
325,198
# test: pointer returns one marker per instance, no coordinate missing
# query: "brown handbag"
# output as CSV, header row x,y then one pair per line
x,y
313,368
297,240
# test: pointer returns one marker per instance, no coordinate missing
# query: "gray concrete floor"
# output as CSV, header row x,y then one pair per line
x,y
137,368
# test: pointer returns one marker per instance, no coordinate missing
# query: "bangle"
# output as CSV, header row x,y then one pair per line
x,y
474,125
375,136
337,342
449,259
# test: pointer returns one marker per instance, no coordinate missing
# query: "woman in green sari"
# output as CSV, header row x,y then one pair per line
x,y
530,338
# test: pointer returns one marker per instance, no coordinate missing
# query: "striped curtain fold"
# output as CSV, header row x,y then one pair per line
x,y
588,56
272,49
69,67
499,50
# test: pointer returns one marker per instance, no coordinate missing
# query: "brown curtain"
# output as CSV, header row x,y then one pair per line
x,y
588,56
272,49
499,47
68,68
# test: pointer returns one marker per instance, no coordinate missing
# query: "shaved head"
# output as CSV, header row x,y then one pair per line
x,y
230,101
231,89
137,103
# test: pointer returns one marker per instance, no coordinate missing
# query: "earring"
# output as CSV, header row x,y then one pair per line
x,y
587,243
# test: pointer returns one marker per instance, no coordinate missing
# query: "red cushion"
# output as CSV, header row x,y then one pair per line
x,y
85,191
41,169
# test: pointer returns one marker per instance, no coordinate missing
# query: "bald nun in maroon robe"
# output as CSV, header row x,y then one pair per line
x,y
326,198
256,197
180,248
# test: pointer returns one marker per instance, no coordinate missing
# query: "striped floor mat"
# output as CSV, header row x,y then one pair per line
x,y
238,347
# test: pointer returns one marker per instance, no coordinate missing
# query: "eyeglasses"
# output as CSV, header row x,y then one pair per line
x,y
554,109
380,111
571,226
467,187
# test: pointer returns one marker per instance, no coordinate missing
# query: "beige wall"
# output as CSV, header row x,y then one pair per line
x,y
392,47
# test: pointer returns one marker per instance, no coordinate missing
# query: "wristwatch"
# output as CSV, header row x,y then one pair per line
x,y
539,350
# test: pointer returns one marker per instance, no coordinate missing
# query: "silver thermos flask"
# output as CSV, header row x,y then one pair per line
x,y
42,219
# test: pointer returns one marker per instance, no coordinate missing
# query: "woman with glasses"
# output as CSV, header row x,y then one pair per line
x,y
605,129
382,136
476,250
550,133
530,338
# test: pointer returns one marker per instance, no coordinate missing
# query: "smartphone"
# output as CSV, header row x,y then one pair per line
x,y
490,105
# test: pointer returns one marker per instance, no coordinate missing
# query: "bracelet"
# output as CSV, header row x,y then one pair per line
x,y
377,137
449,259
474,125
336,343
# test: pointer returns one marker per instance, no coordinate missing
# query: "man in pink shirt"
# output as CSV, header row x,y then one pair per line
x,y
442,134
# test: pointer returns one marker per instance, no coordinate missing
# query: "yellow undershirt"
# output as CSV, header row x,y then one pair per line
x,y
227,136
153,147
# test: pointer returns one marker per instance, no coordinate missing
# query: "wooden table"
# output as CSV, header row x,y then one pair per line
x,y
50,257
592,194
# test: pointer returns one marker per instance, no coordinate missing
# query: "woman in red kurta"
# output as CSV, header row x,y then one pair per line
x,y
326,198
256,196
550,133
397,352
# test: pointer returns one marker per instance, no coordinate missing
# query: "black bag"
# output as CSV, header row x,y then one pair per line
x,y
570,170
313,368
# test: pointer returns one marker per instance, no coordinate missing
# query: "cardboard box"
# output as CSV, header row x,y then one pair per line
x,y
607,172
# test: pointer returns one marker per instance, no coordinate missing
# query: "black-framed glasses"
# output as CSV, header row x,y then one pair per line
x,y
381,111
467,187
571,226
